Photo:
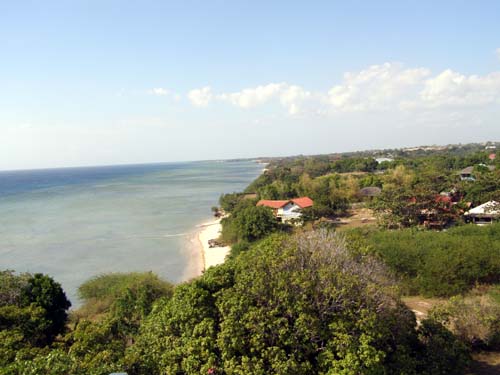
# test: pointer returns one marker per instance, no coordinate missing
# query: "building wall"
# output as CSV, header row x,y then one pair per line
x,y
289,211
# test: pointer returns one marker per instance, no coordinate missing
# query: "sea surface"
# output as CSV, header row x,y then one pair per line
x,y
76,223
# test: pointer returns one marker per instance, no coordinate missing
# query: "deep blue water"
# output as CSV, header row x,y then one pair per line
x,y
75,223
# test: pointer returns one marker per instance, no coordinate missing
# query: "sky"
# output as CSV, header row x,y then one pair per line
x,y
102,82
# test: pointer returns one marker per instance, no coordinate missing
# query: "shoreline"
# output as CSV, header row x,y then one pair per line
x,y
211,256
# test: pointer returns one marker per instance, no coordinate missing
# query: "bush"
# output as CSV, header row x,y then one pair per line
x,y
437,263
100,292
475,320
442,352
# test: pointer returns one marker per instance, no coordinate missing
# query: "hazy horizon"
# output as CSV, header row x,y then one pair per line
x,y
125,164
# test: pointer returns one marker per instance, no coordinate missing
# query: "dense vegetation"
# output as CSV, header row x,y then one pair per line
x,y
100,293
436,263
410,184
87,344
474,319
299,305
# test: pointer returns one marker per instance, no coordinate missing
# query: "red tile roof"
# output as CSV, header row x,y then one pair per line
x,y
442,199
271,203
303,202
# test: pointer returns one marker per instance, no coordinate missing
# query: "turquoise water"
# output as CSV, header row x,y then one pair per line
x,y
76,223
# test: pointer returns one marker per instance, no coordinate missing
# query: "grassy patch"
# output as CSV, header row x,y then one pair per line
x,y
100,292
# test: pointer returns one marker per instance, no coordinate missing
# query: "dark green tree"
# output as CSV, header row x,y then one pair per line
x,y
253,223
41,290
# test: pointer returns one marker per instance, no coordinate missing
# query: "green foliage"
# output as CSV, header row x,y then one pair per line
x,y
42,291
238,248
486,187
444,353
475,320
135,303
92,347
400,207
316,212
333,181
30,322
229,201
100,292
437,263
354,164
35,306
286,306
248,224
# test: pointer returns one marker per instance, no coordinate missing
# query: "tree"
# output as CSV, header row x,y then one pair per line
x,y
229,201
33,305
44,292
254,222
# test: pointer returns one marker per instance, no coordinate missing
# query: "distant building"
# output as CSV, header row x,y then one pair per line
x,y
370,192
466,174
381,160
484,214
286,210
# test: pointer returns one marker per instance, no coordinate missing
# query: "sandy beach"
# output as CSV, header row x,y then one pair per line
x,y
212,255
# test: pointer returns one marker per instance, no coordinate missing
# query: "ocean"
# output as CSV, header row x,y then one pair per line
x,y
76,223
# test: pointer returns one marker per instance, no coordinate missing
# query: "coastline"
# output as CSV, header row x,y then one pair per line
x,y
211,256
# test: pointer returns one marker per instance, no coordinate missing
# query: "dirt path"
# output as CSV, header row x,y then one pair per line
x,y
421,306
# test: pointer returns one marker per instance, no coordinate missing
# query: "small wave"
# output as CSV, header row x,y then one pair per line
x,y
208,224
177,234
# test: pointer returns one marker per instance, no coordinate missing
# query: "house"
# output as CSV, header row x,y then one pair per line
x,y
286,210
370,192
466,174
381,160
486,213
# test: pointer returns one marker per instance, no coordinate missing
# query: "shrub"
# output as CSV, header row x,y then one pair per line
x,y
475,320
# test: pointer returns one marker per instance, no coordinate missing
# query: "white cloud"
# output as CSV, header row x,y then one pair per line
x,y
386,87
294,99
252,97
159,91
200,97
498,53
290,97
454,89
378,87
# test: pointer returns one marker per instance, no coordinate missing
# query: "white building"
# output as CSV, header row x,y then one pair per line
x,y
286,210
486,213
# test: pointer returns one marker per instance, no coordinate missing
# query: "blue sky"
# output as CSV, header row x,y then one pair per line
x,y
105,82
